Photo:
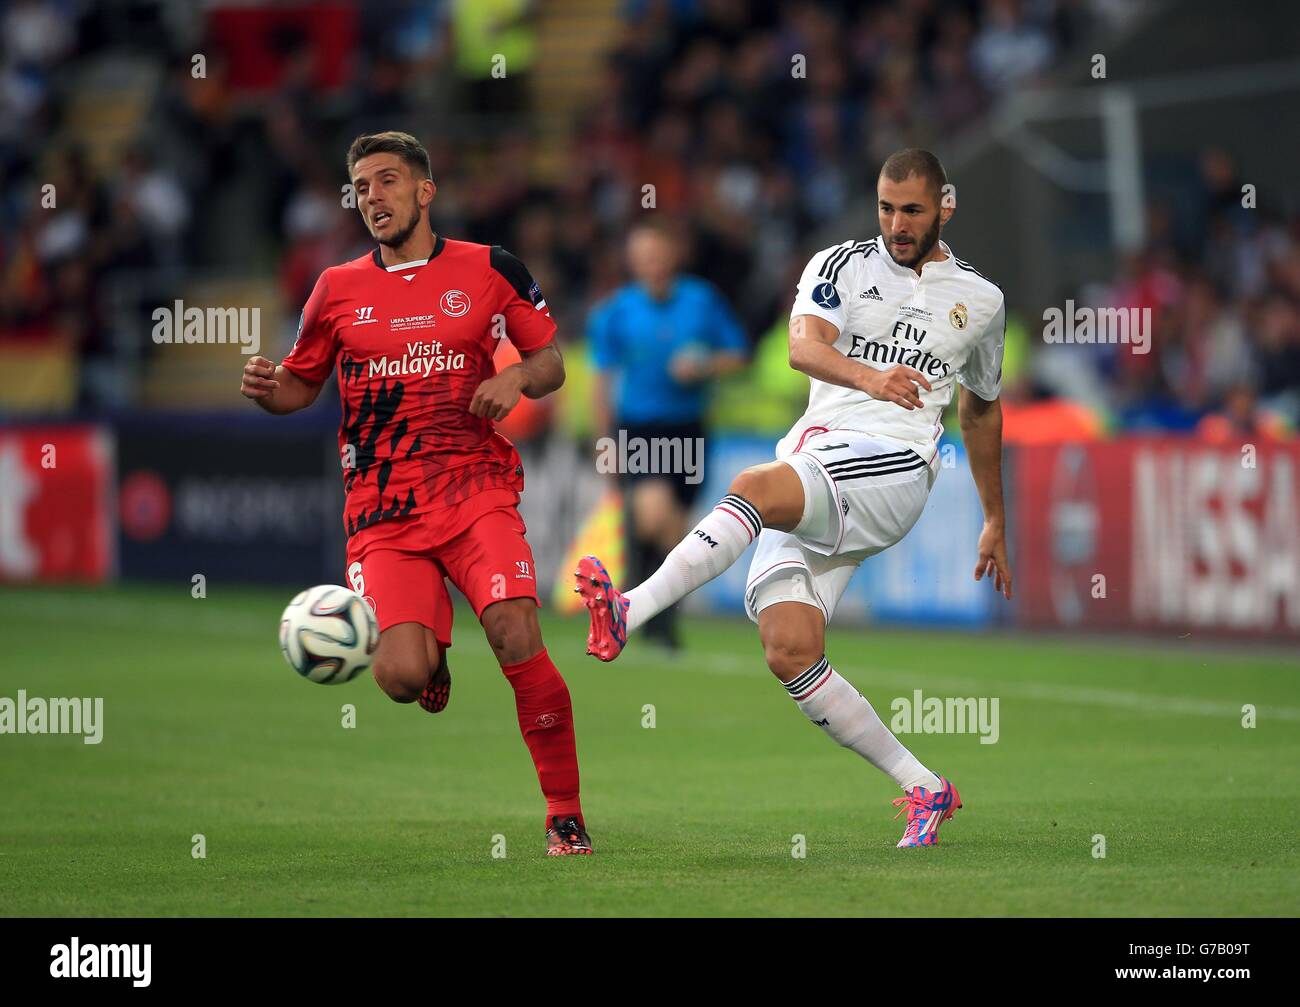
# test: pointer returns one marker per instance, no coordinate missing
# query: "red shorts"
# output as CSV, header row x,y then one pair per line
x,y
402,576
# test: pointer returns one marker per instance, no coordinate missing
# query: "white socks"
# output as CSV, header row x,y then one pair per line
x,y
826,699
835,706
712,546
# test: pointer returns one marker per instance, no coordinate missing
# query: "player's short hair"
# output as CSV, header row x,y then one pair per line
x,y
392,141
902,164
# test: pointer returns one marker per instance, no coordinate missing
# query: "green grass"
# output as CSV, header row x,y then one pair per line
x,y
206,731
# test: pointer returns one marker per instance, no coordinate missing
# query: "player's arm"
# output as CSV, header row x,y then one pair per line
x,y
529,327
542,370
276,388
539,373
812,351
979,412
281,389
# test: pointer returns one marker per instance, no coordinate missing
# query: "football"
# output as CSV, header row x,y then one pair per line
x,y
328,634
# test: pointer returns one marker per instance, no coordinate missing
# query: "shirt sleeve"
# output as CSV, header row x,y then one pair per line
x,y
729,336
602,341
314,349
982,371
823,286
528,321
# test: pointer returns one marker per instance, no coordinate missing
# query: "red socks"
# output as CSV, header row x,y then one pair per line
x,y
546,722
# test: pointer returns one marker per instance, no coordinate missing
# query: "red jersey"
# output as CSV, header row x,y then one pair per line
x,y
412,343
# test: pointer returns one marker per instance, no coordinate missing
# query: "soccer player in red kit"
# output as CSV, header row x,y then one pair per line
x,y
432,488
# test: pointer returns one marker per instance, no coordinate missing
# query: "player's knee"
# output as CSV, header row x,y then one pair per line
x,y
750,484
768,488
789,654
401,678
511,630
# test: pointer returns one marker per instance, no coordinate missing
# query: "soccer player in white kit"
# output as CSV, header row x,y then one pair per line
x,y
884,329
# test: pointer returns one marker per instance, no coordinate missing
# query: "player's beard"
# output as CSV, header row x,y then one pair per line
x,y
399,239
923,245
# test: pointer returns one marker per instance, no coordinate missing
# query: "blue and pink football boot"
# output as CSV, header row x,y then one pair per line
x,y
926,811
607,606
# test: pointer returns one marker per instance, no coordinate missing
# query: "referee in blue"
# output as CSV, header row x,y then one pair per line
x,y
656,344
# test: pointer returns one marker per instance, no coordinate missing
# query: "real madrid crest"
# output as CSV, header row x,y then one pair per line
x,y
957,316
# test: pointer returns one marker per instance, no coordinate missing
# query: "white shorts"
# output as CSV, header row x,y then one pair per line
x,y
862,493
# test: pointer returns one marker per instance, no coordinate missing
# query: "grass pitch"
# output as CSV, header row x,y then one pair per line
x,y
206,731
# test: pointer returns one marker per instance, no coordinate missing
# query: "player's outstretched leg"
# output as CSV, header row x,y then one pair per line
x,y
769,495
793,638
545,718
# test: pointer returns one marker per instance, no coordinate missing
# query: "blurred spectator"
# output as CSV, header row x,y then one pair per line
x,y
37,33
1010,49
495,48
759,126
1241,419
155,198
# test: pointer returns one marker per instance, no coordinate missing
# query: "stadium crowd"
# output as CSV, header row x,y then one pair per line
x,y
239,171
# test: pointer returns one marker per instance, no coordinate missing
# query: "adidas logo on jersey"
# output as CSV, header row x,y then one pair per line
x,y
871,295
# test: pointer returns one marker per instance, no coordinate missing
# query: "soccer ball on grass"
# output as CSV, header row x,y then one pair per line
x,y
328,634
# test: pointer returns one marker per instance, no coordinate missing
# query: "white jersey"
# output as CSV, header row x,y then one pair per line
x,y
947,323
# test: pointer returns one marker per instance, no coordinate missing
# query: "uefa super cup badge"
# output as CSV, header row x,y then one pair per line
x,y
957,316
